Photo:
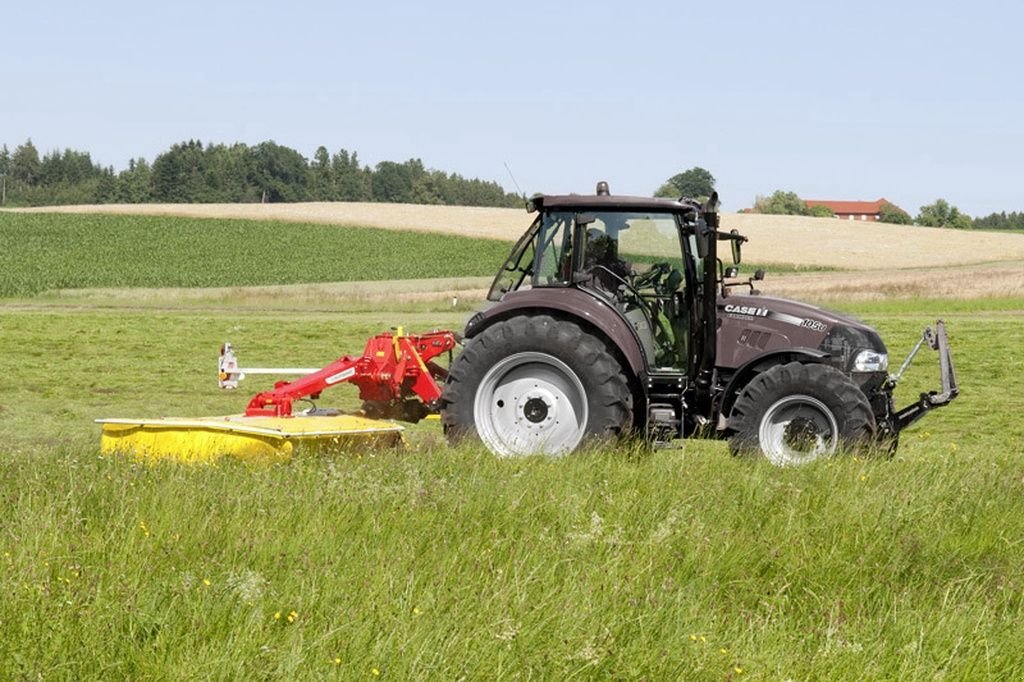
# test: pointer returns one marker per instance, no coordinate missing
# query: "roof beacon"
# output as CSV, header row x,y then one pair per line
x,y
602,188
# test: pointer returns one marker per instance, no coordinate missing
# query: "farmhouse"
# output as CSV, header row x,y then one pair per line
x,y
852,210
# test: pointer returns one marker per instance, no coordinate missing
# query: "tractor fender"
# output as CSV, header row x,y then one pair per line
x,y
578,306
742,376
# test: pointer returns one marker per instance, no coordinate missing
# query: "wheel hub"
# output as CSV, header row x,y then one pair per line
x,y
798,429
801,434
535,410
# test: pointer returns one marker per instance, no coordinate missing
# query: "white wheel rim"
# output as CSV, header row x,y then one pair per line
x,y
797,429
530,403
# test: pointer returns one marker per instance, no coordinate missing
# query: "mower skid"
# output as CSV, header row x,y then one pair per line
x,y
938,341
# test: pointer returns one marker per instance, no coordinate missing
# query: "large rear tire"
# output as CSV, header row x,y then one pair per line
x,y
535,385
797,413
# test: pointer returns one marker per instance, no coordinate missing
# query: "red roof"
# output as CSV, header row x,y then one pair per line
x,y
864,207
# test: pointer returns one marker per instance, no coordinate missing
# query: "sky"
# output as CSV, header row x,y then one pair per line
x,y
910,101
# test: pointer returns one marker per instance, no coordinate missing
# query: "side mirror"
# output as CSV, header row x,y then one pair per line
x,y
736,240
758,275
701,237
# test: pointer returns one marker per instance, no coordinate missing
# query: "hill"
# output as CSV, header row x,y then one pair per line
x,y
797,240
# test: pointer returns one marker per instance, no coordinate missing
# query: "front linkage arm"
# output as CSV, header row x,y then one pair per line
x,y
938,341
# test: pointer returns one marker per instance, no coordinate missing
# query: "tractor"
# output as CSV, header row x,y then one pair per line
x,y
614,316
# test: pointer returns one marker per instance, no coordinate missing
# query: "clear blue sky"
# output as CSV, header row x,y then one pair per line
x,y
911,101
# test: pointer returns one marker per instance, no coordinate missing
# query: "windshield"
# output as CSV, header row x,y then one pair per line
x,y
518,267
615,244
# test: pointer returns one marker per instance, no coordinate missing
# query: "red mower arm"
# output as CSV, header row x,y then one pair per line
x,y
393,369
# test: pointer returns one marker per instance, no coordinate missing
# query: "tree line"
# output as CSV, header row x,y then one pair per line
x,y
191,172
939,213
698,183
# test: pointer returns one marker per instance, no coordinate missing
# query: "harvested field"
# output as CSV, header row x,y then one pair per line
x,y
466,221
999,280
820,242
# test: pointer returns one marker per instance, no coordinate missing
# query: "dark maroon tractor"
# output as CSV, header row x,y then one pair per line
x,y
613,315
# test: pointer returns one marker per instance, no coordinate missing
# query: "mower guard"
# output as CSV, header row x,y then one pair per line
x,y
936,340
250,439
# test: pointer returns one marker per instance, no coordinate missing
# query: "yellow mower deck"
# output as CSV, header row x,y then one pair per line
x,y
253,439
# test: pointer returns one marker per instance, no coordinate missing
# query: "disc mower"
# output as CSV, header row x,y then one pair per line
x,y
396,375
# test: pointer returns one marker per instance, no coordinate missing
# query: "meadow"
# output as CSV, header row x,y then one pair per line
x,y
439,563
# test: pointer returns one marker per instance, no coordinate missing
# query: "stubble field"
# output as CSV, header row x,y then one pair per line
x,y
432,562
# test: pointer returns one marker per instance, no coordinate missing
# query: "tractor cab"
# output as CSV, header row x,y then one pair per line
x,y
642,257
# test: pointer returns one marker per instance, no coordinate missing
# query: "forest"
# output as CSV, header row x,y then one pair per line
x,y
194,172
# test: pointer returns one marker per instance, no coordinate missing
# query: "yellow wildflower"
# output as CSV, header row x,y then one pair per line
x,y
738,670
206,582
375,672
415,611
337,660
277,615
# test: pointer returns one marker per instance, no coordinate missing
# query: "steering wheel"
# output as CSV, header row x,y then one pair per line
x,y
652,278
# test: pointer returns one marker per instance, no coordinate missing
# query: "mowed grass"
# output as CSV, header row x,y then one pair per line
x,y
449,563
57,251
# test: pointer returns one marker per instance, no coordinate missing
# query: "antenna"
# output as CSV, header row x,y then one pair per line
x,y
509,170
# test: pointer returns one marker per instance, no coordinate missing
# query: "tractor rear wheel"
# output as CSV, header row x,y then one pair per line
x,y
797,413
535,385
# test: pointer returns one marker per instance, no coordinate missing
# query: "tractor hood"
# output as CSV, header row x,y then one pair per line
x,y
751,326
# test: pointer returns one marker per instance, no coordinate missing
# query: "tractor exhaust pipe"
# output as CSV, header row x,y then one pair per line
x,y
707,226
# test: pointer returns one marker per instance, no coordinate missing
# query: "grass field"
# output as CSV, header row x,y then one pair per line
x,y
438,563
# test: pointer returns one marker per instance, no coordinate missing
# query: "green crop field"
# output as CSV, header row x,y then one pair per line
x,y
430,562
42,252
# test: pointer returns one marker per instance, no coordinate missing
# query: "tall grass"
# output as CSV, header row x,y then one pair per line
x,y
449,563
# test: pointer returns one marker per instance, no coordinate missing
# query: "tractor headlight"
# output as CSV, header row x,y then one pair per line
x,y
871,361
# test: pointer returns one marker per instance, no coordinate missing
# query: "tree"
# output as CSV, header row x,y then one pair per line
x,y
179,174
891,213
5,168
1001,221
696,183
133,185
281,173
821,211
942,214
353,182
781,203
25,165
392,182
321,177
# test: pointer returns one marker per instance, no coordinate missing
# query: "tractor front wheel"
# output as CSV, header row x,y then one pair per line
x,y
535,385
796,413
